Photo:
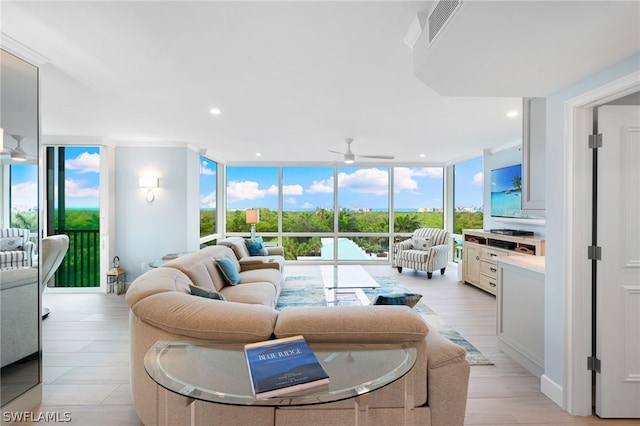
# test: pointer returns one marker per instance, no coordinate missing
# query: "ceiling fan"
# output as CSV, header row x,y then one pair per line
x,y
349,157
18,153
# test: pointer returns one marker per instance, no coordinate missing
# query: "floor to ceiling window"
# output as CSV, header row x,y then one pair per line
x,y
73,208
337,213
468,200
468,195
208,197
363,213
23,179
418,198
252,188
307,211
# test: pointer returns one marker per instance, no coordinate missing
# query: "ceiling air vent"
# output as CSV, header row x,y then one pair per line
x,y
440,15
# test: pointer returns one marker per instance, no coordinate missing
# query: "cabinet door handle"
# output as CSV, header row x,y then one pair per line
x,y
492,284
492,254
493,269
477,257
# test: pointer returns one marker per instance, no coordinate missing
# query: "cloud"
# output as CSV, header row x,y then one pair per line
x,y
478,178
24,194
371,180
403,177
292,190
290,200
78,189
273,190
204,170
307,205
84,163
321,186
246,190
208,201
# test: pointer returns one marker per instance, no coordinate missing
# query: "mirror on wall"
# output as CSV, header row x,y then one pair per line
x,y
19,284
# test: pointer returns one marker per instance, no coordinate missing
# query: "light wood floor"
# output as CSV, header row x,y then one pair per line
x,y
86,356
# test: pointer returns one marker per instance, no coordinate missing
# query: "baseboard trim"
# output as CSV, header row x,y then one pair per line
x,y
551,389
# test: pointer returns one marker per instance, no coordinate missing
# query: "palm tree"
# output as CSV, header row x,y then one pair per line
x,y
517,182
406,223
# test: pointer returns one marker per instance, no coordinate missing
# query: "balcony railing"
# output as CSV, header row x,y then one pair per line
x,y
81,265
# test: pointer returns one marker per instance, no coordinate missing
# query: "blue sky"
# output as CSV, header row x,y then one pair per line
x,y
24,187
304,188
82,182
307,188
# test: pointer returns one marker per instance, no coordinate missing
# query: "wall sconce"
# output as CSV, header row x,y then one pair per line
x,y
253,217
149,183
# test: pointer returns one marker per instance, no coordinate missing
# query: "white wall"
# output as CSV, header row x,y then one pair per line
x,y
556,266
505,157
146,231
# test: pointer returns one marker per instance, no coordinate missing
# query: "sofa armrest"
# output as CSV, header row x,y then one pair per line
x,y
404,245
275,250
249,264
447,381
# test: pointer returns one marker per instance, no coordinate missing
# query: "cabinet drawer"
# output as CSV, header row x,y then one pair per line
x,y
488,284
489,269
490,253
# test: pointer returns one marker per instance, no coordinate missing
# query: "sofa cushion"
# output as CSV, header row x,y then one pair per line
x,y
10,243
256,247
229,271
421,243
203,292
272,276
353,324
256,293
409,299
201,267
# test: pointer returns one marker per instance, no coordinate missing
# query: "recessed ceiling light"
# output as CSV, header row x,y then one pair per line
x,y
512,114
258,154
215,111
423,155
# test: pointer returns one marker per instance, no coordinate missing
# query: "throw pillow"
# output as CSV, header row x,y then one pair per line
x,y
409,299
10,243
255,246
203,292
421,243
228,270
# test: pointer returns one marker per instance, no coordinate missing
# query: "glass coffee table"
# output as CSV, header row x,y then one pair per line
x,y
343,284
217,372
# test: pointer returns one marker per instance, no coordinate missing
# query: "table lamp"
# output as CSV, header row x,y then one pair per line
x,y
253,217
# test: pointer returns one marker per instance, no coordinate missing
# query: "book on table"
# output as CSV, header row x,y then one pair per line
x,y
281,366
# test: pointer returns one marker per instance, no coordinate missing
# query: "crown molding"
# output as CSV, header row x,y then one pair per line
x,y
22,51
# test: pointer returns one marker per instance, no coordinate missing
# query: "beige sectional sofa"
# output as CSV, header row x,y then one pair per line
x,y
162,308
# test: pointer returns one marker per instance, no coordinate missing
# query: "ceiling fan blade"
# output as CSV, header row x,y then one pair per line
x,y
379,157
336,152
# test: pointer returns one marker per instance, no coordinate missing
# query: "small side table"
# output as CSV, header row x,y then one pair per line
x,y
115,281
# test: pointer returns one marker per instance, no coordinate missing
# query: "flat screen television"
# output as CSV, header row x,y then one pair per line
x,y
506,192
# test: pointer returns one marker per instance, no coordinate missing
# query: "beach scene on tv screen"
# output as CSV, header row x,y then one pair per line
x,y
506,191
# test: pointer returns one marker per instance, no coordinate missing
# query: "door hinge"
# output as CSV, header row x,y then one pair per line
x,y
593,364
594,253
595,141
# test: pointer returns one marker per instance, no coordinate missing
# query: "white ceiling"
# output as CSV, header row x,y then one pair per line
x,y
294,79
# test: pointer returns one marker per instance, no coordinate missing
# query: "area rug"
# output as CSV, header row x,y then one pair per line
x,y
308,291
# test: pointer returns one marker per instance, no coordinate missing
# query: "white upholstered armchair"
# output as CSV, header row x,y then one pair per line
x,y
427,250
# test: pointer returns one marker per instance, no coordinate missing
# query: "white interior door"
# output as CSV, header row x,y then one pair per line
x,y
618,273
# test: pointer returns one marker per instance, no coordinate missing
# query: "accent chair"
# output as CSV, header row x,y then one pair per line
x,y
427,250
